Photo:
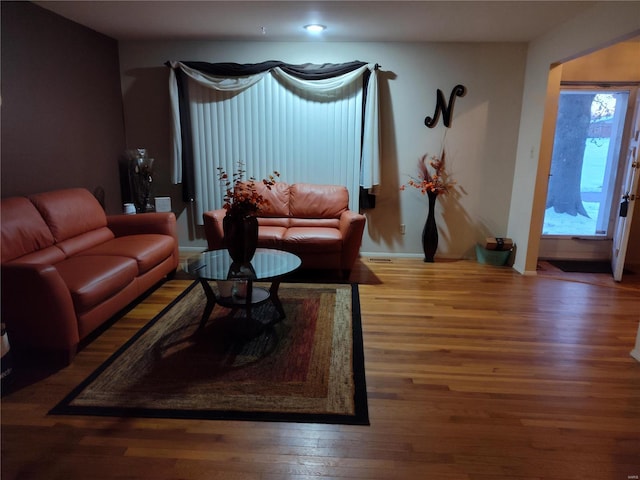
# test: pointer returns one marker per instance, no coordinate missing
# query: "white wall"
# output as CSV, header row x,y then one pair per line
x,y
600,26
481,143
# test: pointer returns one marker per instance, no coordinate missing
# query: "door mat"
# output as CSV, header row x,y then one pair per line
x,y
582,266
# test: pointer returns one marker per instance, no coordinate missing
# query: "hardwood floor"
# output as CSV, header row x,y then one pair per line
x,y
473,372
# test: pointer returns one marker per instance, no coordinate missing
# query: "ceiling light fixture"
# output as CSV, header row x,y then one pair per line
x,y
315,28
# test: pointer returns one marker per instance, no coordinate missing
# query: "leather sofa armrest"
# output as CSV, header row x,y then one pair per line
x,y
38,310
156,222
163,223
352,228
213,228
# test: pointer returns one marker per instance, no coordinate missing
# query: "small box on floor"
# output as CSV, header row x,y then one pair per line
x,y
498,243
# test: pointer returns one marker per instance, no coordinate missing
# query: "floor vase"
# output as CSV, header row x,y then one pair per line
x,y
240,237
430,231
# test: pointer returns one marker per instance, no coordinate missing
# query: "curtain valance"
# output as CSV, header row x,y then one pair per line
x,y
318,82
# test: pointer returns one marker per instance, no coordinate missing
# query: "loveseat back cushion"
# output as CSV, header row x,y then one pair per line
x,y
276,199
23,229
308,200
70,212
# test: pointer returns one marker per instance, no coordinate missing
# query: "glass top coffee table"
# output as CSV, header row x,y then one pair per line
x,y
267,265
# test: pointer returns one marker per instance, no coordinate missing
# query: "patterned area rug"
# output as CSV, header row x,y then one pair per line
x,y
308,367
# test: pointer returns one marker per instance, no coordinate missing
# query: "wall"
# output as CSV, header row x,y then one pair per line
x,y
62,120
601,26
480,145
617,63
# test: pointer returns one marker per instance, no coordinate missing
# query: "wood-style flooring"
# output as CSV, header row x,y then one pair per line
x,y
473,372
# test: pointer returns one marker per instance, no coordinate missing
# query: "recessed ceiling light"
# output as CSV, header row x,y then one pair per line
x,y
315,28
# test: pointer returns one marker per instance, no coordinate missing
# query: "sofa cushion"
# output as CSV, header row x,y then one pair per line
x,y
283,222
46,256
271,237
93,279
315,222
276,199
308,200
312,239
78,244
69,212
148,250
23,228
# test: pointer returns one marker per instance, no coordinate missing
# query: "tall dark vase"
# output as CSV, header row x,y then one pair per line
x,y
240,237
430,231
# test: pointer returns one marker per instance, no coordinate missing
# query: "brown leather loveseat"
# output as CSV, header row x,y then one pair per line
x,y
67,267
312,221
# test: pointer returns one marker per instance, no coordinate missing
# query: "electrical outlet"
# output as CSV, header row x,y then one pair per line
x,y
403,228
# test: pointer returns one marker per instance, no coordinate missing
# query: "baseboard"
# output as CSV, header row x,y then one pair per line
x,y
378,255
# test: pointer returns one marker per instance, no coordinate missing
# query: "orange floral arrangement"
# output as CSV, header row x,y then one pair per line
x,y
436,182
241,196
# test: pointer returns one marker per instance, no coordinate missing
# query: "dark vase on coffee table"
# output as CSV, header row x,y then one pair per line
x,y
240,237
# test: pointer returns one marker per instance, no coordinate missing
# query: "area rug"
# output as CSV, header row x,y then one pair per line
x,y
308,367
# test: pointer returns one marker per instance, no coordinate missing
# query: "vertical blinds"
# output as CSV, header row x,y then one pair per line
x,y
269,124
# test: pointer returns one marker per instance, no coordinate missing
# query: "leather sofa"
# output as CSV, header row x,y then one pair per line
x,y
312,221
67,268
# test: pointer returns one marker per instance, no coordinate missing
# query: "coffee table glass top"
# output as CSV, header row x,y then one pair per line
x,y
266,263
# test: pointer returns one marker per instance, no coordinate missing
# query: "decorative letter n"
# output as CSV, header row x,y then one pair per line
x,y
441,106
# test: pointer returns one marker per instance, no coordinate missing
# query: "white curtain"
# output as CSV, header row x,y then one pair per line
x,y
309,131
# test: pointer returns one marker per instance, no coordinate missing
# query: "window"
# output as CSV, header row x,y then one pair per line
x,y
315,130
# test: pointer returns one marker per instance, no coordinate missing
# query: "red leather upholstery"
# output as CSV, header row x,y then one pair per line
x,y
67,267
23,229
92,279
312,221
146,250
317,201
69,213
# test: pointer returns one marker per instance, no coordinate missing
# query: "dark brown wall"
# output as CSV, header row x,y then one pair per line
x,y
62,118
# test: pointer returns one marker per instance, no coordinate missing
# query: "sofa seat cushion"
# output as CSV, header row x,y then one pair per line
x,y
312,239
315,222
46,256
78,244
93,279
148,250
274,222
271,237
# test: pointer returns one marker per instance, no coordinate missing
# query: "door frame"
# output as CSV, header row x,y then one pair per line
x,y
590,248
